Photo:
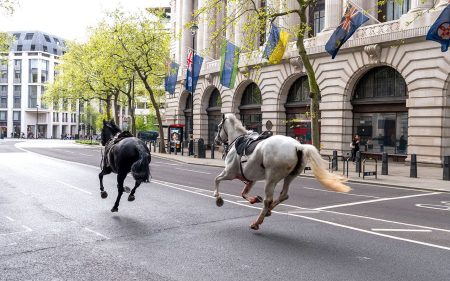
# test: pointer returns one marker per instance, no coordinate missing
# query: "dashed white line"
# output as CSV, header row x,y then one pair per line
x,y
400,230
96,233
194,171
8,218
27,228
375,200
74,187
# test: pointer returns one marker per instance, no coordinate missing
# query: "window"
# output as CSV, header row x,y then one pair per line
x,y
393,10
3,96
317,18
17,96
16,36
55,52
55,70
44,71
32,96
16,116
251,96
55,105
299,91
33,71
4,73
56,41
19,48
379,83
33,48
29,36
45,49
3,116
250,108
47,38
17,71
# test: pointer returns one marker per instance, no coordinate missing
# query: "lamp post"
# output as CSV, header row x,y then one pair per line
x,y
37,120
194,29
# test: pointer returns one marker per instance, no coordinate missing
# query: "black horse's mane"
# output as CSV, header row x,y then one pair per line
x,y
113,126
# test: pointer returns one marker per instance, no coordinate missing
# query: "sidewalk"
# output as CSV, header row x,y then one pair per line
x,y
428,178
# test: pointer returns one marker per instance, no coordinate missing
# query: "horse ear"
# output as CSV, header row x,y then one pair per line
x,y
104,122
112,121
223,116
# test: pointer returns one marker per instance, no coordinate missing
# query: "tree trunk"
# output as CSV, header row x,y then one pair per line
x,y
108,107
313,87
116,108
162,146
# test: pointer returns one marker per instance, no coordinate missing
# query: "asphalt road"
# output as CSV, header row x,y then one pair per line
x,y
55,226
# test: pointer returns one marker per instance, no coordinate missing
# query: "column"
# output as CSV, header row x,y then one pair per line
x,y
186,40
178,27
333,14
202,23
229,15
420,5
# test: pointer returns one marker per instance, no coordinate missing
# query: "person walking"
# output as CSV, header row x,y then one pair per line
x,y
355,146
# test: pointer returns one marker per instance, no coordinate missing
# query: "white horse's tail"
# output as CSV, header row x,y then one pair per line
x,y
329,180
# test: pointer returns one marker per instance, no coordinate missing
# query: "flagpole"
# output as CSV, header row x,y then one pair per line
x,y
364,11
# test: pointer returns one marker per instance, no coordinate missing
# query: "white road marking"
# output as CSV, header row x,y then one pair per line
x,y
375,200
96,233
444,207
27,228
74,187
194,171
85,154
12,244
400,230
318,220
162,163
348,194
303,212
10,219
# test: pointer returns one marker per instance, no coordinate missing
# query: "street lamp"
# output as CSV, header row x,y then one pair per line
x,y
37,120
194,29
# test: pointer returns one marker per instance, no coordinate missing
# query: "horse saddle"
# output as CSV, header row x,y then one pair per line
x,y
121,136
246,144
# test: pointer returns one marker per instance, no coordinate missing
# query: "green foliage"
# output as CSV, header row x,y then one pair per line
x,y
146,123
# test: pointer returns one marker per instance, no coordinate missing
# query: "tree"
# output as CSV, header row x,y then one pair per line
x,y
7,7
142,48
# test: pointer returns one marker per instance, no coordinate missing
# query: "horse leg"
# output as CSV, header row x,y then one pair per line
x,y
222,176
105,171
120,179
131,196
269,189
246,190
284,192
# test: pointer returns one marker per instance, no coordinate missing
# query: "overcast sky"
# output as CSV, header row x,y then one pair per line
x,y
67,19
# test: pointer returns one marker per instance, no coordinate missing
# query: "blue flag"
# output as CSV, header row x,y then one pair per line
x,y
440,30
229,64
171,79
194,62
350,22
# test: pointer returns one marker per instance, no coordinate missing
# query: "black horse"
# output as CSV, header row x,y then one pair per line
x,y
123,153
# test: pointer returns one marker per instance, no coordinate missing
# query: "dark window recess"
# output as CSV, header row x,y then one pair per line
x,y
380,83
252,95
47,38
29,36
55,51
16,36
45,49
19,48
299,91
56,40
33,48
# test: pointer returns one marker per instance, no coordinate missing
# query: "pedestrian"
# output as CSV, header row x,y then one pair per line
x,y
355,146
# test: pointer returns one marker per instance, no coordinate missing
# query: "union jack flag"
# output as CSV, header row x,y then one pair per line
x,y
350,22
190,59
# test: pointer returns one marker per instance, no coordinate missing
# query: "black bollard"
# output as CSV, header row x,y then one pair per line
x,y
201,148
413,170
212,151
154,146
384,164
358,162
182,148
191,147
446,176
334,161
168,145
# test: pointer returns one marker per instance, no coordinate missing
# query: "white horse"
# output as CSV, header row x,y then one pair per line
x,y
276,158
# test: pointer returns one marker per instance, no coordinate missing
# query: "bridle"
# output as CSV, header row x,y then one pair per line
x,y
219,138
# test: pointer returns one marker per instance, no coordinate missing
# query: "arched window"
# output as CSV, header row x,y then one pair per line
x,y
380,116
214,114
250,108
298,121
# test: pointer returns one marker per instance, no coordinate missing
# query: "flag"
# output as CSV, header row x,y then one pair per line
x,y
171,79
276,44
440,30
352,19
229,64
195,62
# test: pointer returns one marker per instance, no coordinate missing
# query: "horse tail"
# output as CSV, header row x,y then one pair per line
x,y
331,181
140,169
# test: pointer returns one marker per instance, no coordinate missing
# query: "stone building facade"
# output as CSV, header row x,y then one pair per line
x,y
387,83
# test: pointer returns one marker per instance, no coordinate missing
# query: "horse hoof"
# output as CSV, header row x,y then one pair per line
x,y
254,226
114,209
103,194
126,189
131,198
219,201
269,213
258,199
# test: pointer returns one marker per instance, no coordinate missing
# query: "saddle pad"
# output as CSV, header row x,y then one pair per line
x,y
246,144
